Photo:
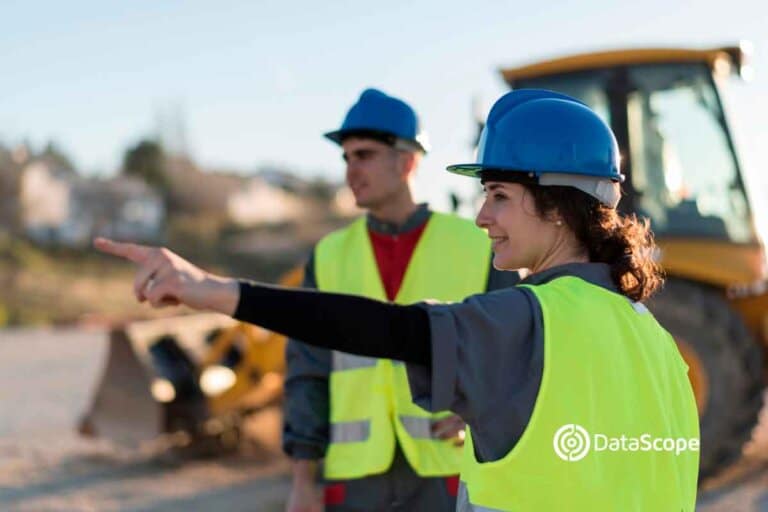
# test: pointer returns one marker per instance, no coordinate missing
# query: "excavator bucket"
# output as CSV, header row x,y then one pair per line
x,y
123,408
192,377
150,383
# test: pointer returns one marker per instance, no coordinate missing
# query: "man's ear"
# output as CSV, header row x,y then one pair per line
x,y
409,162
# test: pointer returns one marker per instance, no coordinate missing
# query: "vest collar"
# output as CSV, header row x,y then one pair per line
x,y
595,273
417,218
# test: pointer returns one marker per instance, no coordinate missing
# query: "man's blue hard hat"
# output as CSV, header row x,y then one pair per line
x,y
384,117
552,137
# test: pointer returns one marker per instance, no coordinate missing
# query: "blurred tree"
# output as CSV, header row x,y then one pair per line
x,y
54,154
9,194
321,189
146,160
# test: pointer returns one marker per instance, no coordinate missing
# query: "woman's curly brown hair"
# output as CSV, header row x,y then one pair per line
x,y
624,242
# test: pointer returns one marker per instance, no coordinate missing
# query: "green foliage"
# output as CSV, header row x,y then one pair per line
x,y
20,253
43,287
53,153
146,160
322,190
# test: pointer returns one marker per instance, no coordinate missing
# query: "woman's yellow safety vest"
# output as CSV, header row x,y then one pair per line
x,y
371,403
615,425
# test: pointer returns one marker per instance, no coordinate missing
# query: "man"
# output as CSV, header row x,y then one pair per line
x,y
380,451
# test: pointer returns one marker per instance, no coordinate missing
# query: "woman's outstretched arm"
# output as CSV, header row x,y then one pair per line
x,y
340,322
337,321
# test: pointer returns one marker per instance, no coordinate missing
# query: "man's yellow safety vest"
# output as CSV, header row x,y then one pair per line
x,y
371,402
615,425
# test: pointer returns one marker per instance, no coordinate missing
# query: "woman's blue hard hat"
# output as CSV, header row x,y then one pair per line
x,y
552,137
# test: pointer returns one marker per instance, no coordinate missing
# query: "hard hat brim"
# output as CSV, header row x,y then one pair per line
x,y
385,137
388,138
471,170
334,136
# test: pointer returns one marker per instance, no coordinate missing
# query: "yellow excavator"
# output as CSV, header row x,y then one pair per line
x,y
186,382
666,107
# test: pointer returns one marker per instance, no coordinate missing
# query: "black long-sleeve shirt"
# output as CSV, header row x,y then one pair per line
x,y
337,321
481,358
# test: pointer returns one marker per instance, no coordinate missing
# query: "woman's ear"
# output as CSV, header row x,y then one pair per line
x,y
555,217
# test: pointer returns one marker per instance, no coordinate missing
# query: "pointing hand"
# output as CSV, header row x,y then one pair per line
x,y
164,278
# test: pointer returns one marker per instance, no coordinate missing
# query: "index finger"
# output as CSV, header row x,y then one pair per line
x,y
134,252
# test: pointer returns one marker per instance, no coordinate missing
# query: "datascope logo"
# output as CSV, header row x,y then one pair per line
x,y
572,443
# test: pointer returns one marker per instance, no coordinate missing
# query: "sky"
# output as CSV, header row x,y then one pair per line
x,y
259,82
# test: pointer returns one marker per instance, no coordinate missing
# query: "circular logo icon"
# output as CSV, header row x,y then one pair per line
x,y
571,442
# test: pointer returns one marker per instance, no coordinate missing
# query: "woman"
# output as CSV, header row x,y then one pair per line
x,y
576,399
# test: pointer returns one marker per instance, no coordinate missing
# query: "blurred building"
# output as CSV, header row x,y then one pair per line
x,y
59,207
258,202
269,197
53,205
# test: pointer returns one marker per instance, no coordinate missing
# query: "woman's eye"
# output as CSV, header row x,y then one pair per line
x,y
499,197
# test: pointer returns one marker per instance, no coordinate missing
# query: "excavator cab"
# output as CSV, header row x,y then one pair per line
x,y
665,107
676,146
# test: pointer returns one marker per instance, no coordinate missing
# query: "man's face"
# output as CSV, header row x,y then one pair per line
x,y
376,172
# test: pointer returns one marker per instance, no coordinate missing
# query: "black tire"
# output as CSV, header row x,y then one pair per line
x,y
731,360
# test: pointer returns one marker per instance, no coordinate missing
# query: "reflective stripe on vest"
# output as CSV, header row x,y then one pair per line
x,y
343,361
371,407
357,431
419,427
609,370
350,431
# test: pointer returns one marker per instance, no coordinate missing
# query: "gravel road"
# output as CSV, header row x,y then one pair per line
x,y
45,384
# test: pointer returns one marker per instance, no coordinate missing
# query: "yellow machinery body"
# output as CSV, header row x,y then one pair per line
x,y
683,173
189,378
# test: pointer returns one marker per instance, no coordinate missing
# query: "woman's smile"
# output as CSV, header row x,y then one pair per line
x,y
496,241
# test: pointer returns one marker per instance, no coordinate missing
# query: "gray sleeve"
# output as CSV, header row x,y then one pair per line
x,y
306,408
487,362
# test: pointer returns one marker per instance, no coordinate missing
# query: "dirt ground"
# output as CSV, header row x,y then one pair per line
x,y
45,383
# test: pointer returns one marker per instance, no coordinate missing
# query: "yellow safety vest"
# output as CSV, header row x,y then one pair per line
x,y
610,371
371,403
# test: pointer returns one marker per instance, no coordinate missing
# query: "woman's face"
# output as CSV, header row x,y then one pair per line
x,y
520,237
